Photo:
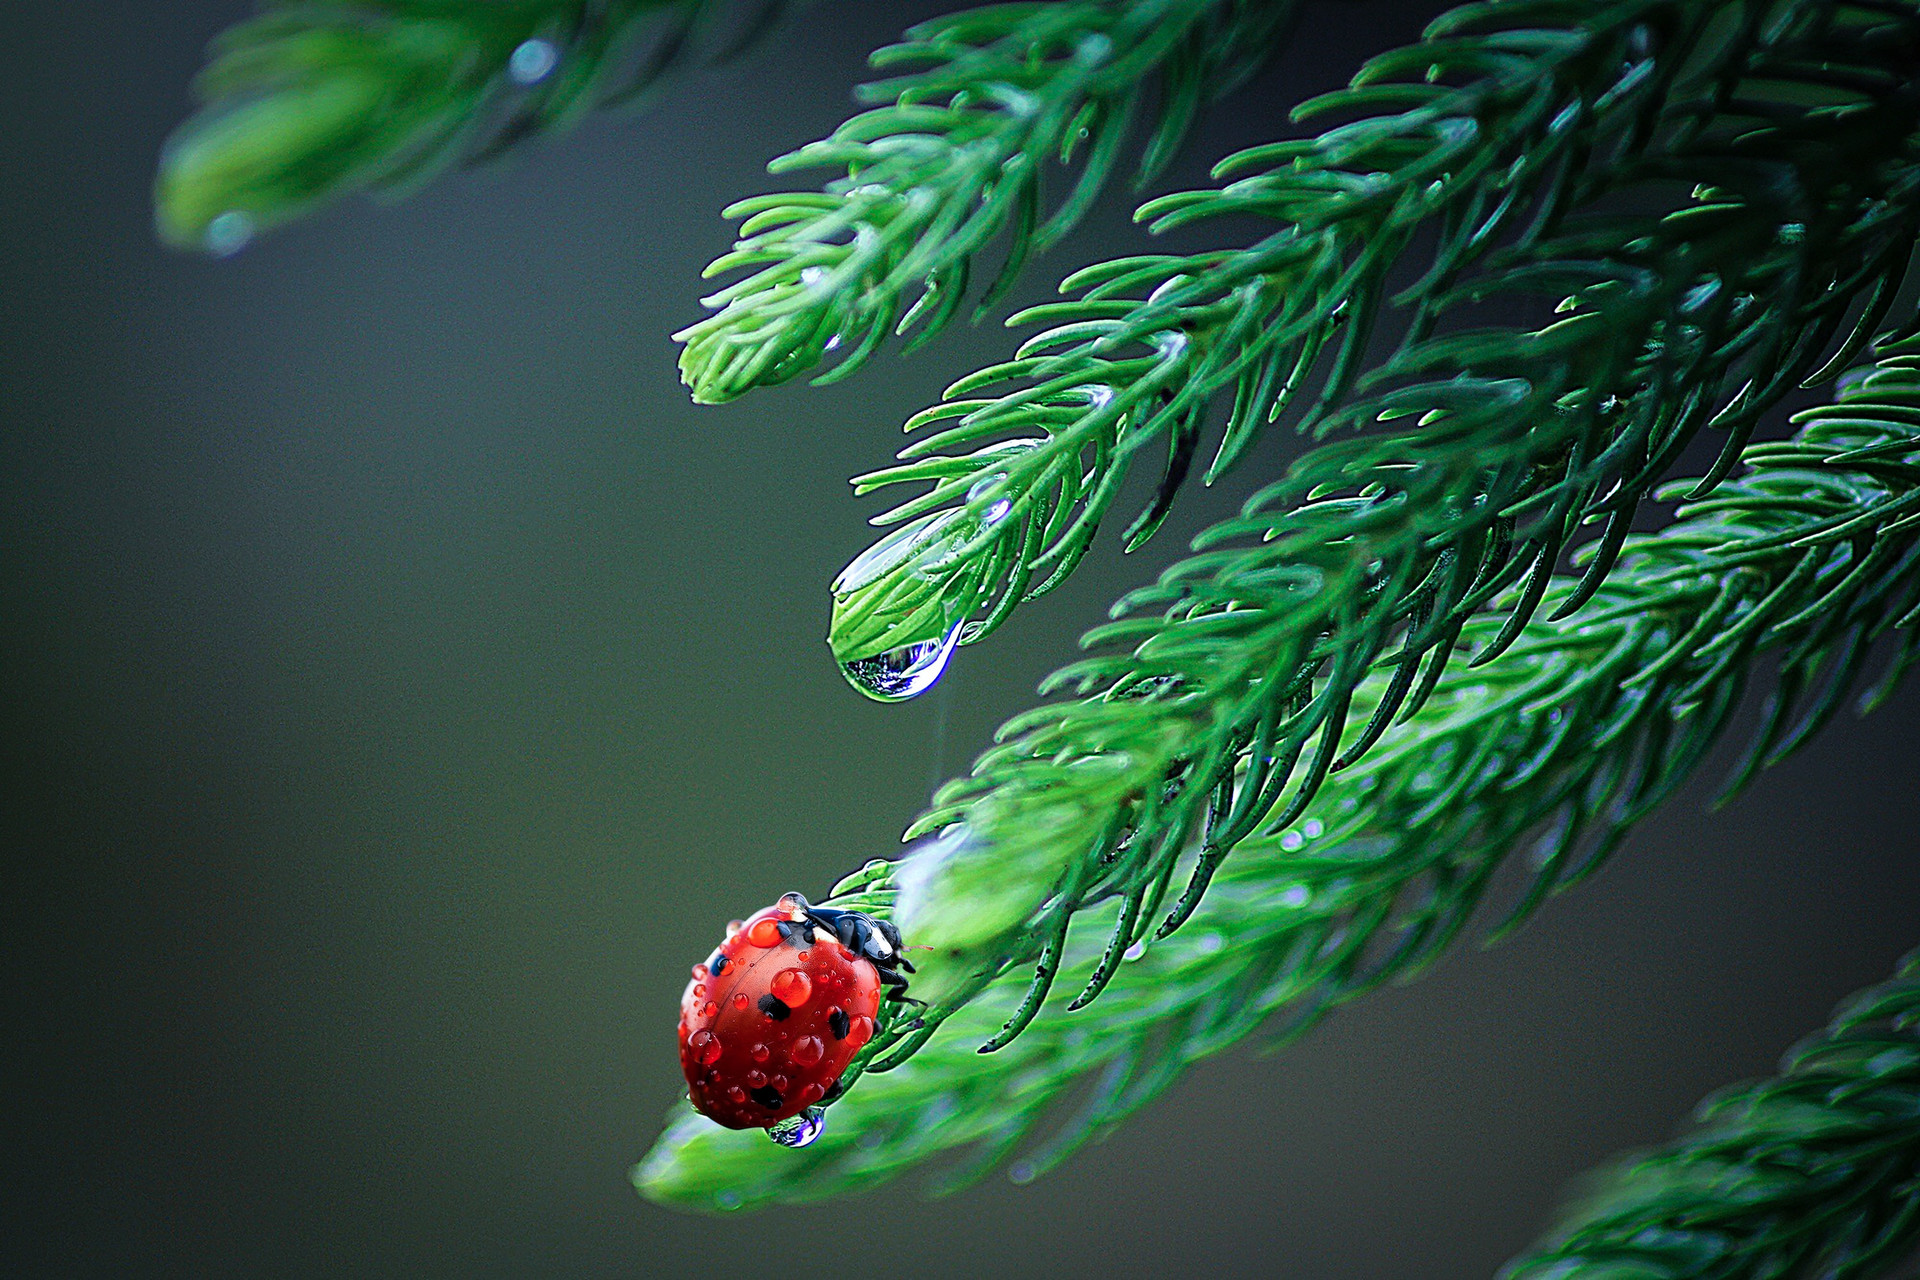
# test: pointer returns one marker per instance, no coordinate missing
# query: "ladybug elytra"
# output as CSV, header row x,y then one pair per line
x,y
771,1020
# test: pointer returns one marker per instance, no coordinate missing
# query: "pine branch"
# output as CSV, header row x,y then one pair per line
x,y
315,99
1686,311
1815,1172
1376,548
1554,749
954,161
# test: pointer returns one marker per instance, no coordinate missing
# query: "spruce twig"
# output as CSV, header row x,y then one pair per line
x,y
315,99
1377,547
1815,1172
1552,751
976,105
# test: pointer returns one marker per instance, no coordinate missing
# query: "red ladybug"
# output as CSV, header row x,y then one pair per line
x,y
772,1019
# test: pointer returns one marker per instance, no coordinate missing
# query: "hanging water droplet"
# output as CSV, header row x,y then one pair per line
x,y
906,672
229,233
800,1130
532,62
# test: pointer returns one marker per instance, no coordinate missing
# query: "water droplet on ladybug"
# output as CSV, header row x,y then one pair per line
x,y
905,672
756,1078
806,1051
699,989
735,926
737,1096
805,956
861,1031
780,1084
800,1130
706,1048
708,1009
791,987
759,1053
699,973
765,932
741,1002
812,1093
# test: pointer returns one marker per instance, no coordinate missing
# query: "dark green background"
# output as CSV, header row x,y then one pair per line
x,y
404,681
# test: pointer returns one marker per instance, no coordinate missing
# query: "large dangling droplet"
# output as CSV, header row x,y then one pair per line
x,y
906,672
800,1130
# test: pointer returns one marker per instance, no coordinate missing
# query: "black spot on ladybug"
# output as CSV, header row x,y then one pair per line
x,y
840,1023
774,1008
717,966
767,1096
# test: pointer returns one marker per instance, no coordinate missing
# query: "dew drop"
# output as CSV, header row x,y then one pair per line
x,y
1210,943
812,1093
780,1084
811,276
1292,840
806,1051
1022,1172
759,1053
1135,951
737,1096
791,987
735,926
699,989
728,1199
532,62
756,1078
1296,896
903,673
700,973
765,932
861,1031
706,1048
740,1002
805,956
229,233
708,1009
1311,828
800,1130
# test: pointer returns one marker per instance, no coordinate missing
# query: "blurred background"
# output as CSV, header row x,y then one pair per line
x,y
404,682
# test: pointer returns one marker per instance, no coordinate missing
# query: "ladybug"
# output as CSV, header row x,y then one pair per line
x,y
771,1020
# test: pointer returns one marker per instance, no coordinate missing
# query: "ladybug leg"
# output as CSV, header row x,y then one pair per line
x,y
896,985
